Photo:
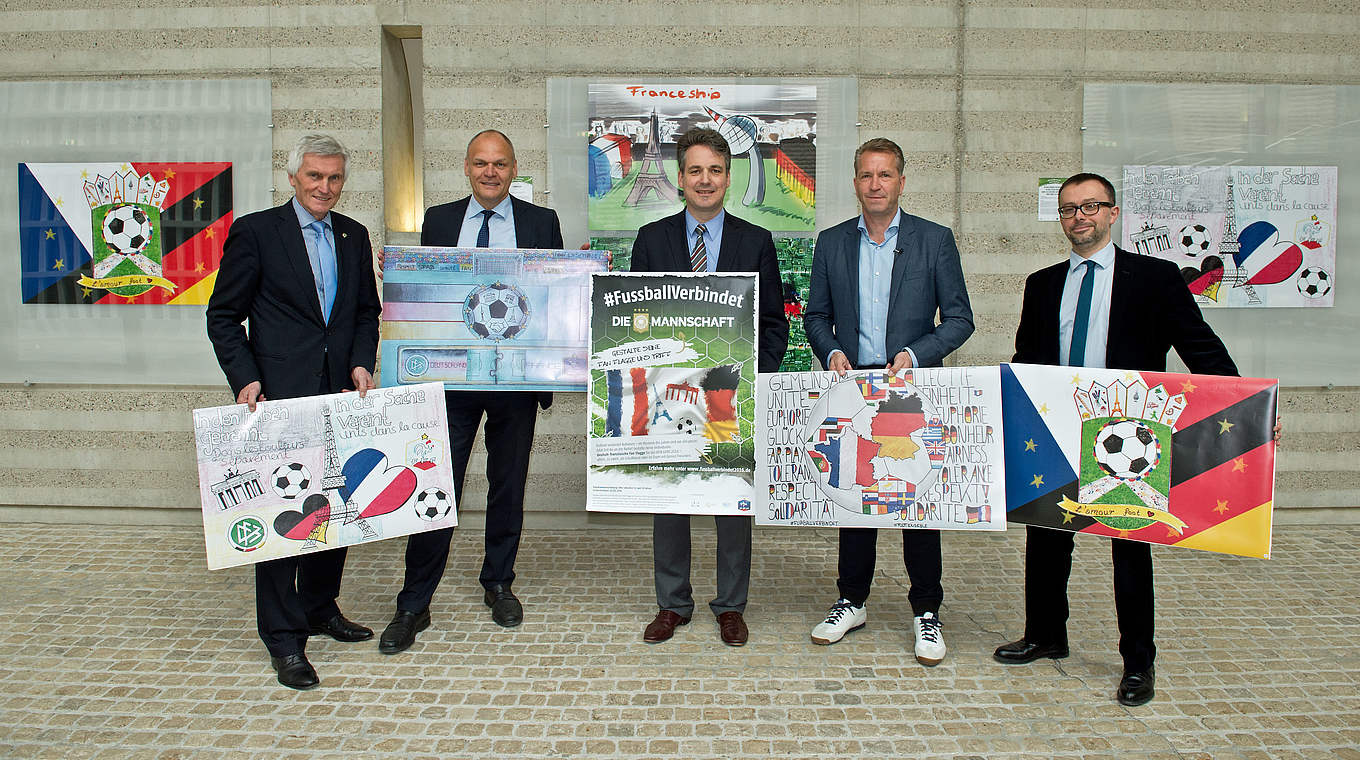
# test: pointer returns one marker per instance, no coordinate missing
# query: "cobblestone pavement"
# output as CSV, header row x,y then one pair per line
x,y
118,642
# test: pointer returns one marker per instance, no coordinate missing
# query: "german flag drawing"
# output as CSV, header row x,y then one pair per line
x,y
134,232
1158,457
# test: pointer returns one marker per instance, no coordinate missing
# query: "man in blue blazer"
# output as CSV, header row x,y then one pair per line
x,y
301,277
705,238
877,283
489,217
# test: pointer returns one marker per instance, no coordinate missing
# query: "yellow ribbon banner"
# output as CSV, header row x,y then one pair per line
x,y
1137,511
109,283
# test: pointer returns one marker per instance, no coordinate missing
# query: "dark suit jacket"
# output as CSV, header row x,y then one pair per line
x,y
662,246
1151,312
266,280
926,278
535,227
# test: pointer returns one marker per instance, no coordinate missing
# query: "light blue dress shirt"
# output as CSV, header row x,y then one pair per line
x,y
501,227
875,286
305,219
713,230
1098,329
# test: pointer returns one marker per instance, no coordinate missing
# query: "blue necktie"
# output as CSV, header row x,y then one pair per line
x,y
325,254
1077,356
484,234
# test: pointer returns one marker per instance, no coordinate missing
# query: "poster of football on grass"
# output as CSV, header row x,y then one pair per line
x,y
1159,457
671,423
122,232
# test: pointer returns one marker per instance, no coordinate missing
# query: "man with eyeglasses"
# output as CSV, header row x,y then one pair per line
x,y
1103,307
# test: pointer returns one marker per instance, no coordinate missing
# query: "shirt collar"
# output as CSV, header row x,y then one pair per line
x,y
305,217
1104,258
892,228
502,209
714,225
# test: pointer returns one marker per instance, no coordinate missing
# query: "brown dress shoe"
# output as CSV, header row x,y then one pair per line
x,y
663,627
732,629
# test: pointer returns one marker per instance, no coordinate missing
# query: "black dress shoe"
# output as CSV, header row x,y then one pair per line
x,y
341,628
1136,688
505,607
1024,650
400,634
295,672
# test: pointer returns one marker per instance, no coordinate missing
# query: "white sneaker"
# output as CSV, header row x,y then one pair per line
x,y
929,640
842,618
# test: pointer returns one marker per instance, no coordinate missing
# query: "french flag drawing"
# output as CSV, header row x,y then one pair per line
x,y
373,487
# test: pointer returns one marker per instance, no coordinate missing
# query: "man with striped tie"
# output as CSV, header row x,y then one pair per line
x,y
705,238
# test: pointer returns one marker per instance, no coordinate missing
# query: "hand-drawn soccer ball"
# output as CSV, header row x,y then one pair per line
x,y
1127,449
1314,282
433,504
496,312
127,229
291,480
1194,240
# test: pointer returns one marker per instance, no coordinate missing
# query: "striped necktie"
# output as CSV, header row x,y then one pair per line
x,y
698,261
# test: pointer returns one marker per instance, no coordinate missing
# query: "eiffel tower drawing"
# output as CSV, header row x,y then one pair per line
x,y
333,479
652,176
1229,247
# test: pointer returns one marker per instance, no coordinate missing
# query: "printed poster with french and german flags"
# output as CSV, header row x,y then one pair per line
x,y
1159,457
672,393
134,232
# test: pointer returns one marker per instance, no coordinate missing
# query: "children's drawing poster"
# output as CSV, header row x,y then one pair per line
x,y
1249,236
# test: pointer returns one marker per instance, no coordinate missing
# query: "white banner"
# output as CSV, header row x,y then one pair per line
x,y
321,472
920,449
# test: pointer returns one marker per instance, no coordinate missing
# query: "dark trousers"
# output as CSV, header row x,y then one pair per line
x,y
920,552
509,431
671,563
292,593
1048,564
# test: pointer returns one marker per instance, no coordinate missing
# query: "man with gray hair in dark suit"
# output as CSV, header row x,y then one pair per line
x,y
878,282
301,277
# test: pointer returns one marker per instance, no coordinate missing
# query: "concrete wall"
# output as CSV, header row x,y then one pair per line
x,y
984,96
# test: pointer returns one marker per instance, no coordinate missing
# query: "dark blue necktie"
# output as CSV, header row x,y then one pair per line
x,y
484,234
1077,356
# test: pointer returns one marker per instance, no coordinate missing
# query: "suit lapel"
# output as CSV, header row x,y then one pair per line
x,y
345,261
1121,300
906,244
850,273
731,248
678,243
524,237
295,250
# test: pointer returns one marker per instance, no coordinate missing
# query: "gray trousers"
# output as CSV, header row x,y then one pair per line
x,y
670,556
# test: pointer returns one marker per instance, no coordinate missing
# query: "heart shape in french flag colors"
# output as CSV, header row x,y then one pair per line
x,y
373,486
1266,258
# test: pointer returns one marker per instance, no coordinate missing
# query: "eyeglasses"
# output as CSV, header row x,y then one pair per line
x,y
1087,209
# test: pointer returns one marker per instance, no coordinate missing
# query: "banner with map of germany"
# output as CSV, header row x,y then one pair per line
x,y
1158,457
919,449
133,232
